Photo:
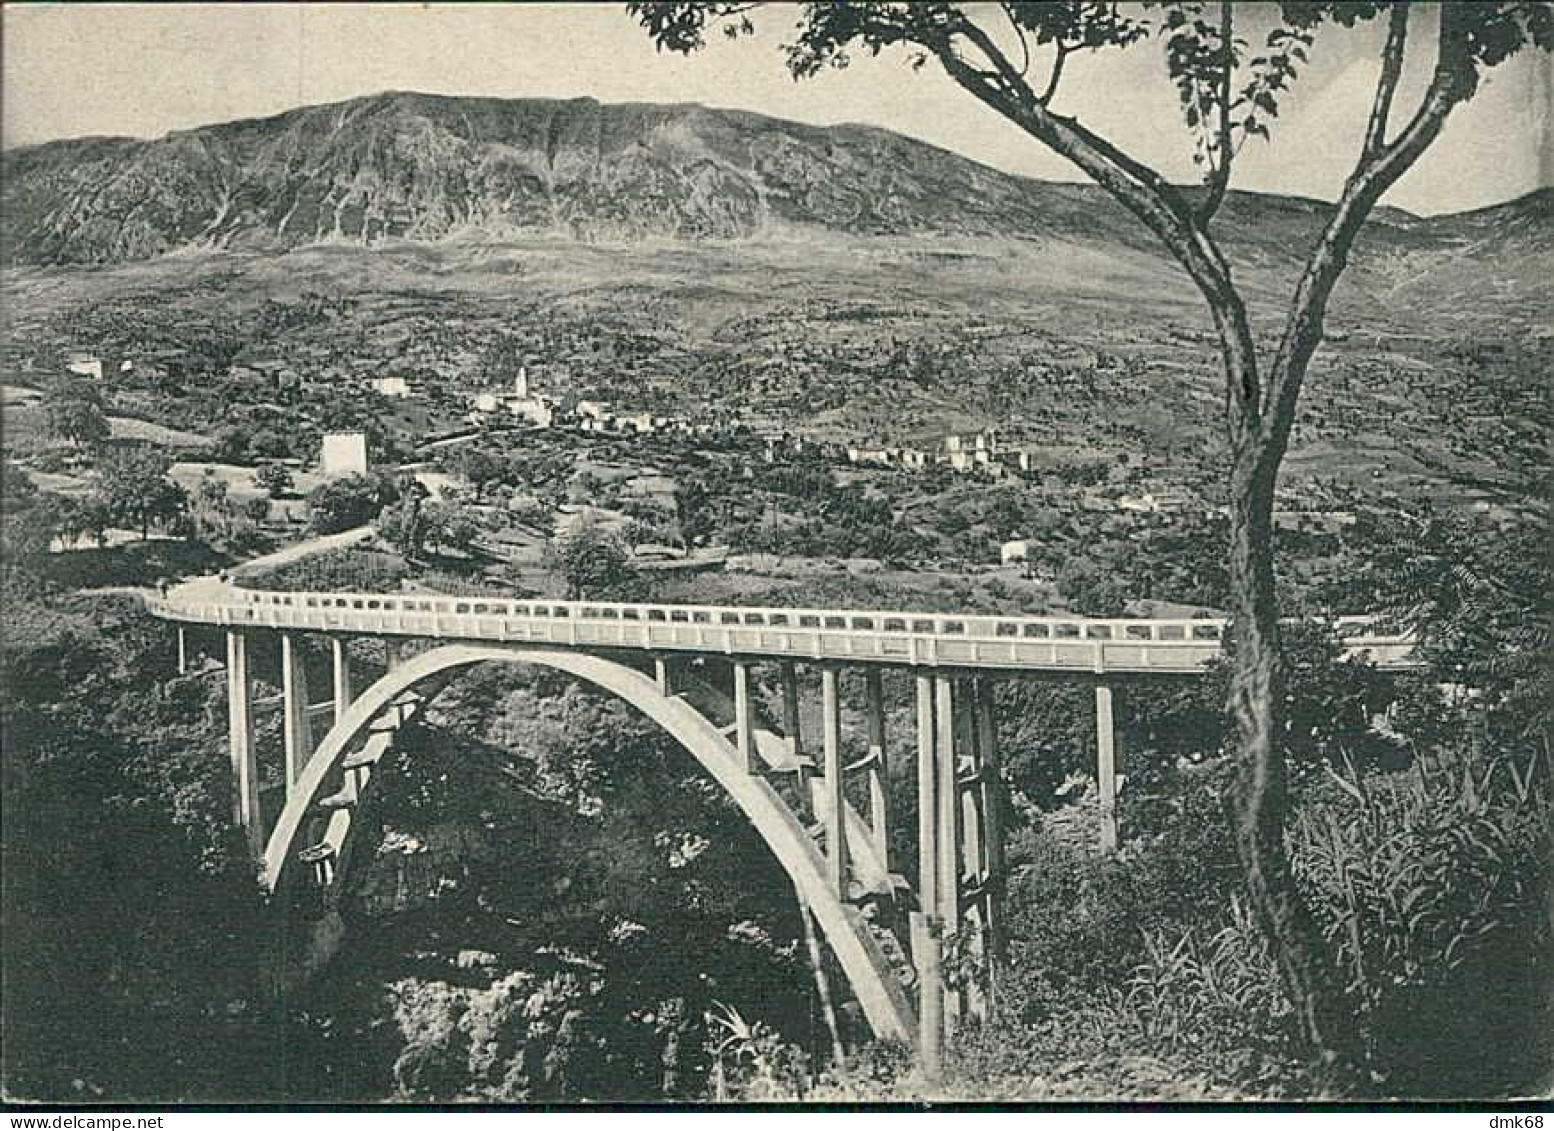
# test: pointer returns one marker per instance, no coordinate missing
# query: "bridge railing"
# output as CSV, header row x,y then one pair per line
x,y
1173,644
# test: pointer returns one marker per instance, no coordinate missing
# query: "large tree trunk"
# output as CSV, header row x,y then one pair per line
x,y
1256,706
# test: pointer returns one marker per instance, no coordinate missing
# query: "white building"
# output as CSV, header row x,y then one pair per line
x,y
984,442
532,408
397,387
1014,550
641,423
342,454
84,365
535,410
877,456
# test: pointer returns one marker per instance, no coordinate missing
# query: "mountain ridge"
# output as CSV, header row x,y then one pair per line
x,y
419,166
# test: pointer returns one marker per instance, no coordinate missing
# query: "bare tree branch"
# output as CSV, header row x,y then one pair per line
x,y
1133,184
1386,86
1064,51
1373,175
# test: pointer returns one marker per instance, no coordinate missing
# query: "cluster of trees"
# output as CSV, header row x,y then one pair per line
x,y
593,563
416,524
795,508
27,515
74,411
351,501
275,479
216,518
543,473
131,490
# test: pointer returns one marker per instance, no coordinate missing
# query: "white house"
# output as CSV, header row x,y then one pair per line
x,y
640,422
1014,550
84,365
878,456
342,454
535,410
397,387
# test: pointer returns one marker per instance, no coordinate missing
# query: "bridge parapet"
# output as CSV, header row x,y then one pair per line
x,y
1072,644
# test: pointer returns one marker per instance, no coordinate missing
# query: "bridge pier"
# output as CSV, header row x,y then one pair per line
x,y
240,741
835,822
297,726
790,710
925,926
744,717
183,652
1106,765
978,800
992,813
874,708
959,857
342,672
927,957
947,793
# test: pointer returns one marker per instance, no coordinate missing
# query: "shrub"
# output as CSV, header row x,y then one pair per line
x,y
347,570
1204,988
1431,886
352,501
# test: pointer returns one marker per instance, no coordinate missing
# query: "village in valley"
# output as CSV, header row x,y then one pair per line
x,y
524,427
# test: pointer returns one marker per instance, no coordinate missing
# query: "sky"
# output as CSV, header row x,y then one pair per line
x,y
142,70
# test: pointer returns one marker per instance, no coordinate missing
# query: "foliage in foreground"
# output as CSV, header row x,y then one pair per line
x,y
131,911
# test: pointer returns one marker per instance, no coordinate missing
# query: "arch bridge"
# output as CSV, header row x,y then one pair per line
x,y
694,670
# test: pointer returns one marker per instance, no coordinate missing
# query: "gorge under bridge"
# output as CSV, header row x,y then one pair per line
x,y
691,670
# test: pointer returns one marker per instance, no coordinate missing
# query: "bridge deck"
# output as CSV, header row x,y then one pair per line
x,y
1159,646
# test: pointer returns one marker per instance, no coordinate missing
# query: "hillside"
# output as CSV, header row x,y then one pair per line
x,y
845,281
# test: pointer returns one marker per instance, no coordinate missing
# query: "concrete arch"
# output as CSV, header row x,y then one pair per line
x,y
884,1000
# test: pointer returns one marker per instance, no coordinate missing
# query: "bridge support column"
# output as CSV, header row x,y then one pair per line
x,y
1106,765
297,727
342,669
948,793
663,674
925,924
926,954
834,815
790,710
240,742
744,717
875,708
183,652
992,811
976,845
393,653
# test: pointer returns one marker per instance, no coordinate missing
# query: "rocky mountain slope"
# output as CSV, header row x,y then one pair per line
x,y
427,167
